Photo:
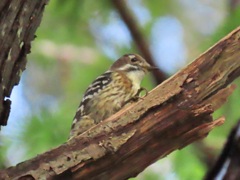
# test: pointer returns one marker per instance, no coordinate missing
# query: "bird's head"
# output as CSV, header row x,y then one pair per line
x,y
131,63
133,66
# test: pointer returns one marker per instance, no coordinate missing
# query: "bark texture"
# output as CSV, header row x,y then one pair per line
x,y
173,115
19,20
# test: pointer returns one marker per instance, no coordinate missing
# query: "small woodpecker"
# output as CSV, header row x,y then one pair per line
x,y
119,85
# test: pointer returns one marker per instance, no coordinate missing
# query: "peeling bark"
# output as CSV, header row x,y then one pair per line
x,y
19,20
173,115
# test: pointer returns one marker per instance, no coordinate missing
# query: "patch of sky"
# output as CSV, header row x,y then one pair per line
x,y
167,44
111,36
141,13
19,109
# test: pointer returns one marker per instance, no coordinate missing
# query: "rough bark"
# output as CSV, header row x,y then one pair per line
x,y
19,20
173,115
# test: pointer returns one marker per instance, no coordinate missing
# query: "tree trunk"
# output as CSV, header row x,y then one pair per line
x,y
173,115
19,20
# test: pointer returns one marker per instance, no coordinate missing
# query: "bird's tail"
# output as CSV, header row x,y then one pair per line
x,y
81,125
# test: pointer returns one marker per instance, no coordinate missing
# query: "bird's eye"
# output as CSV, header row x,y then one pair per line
x,y
134,59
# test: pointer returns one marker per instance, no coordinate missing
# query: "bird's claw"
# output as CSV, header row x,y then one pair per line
x,y
142,89
137,96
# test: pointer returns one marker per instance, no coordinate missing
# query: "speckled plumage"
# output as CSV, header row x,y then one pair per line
x,y
110,92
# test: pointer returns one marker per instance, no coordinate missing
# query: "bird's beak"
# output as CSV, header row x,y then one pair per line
x,y
151,68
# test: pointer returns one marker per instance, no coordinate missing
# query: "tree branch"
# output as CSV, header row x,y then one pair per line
x,y
173,115
19,20
228,164
233,5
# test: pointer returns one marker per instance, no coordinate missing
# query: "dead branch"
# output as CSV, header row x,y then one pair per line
x,y
173,115
19,20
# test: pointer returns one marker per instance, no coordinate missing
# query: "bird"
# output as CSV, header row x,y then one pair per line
x,y
110,92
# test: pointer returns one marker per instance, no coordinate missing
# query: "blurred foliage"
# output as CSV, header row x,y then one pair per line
x,y
67,56
231,22
44,131
3,151
187,164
